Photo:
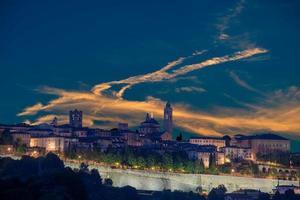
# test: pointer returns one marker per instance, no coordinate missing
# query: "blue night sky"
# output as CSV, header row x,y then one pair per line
x,y
233,65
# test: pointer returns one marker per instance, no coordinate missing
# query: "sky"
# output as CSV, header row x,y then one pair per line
x,y
227,67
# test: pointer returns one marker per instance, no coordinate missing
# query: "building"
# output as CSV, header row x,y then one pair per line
x,y
22,127
233,152
243,194
261,143
220,158
50,143
268,143
149,126
158,137
204,153
132,138
216,141
123,126
240,141
75,118
168,118
21,137
283,188
63,130
40,130
80,132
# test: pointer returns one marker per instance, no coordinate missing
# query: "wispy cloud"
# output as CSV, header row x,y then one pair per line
x,y
98,106
243,83
226,20
168,73
190,89
280,116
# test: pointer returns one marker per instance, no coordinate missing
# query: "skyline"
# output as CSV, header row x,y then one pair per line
x,y
221,78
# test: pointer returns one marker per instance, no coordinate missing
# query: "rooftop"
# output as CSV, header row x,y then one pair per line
x,y
263,136
207,137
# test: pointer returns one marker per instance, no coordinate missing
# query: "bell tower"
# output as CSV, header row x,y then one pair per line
x,y
168,118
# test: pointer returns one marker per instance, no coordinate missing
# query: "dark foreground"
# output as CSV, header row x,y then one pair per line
x,y
48,178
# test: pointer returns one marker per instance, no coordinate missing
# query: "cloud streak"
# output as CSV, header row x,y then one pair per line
x,y
243,83
226,20
99,107
190,89
167,72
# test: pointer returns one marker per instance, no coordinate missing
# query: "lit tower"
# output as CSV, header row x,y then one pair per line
x,y
75,118
168,118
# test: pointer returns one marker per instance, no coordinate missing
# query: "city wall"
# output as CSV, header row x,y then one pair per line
x,y
158,181
186,182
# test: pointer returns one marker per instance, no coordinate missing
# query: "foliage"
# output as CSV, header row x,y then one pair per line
x,y
6,138
275,157
48,178
179,138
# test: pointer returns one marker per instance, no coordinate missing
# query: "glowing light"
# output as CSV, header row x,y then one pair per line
x,y
9,149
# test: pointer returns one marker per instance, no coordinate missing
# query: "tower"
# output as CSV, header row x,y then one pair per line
x,y
75,118
54,122
168,118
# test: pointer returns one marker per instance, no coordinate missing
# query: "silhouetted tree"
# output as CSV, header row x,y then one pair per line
x,y
263,196
108,182
277,196
179,138
6,138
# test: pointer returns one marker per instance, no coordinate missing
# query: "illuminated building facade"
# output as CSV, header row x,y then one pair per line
x,y
51,143
233,152
215,141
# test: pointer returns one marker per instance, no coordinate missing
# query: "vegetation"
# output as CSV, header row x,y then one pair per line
x,y
47,178
6,138
148,160
282,158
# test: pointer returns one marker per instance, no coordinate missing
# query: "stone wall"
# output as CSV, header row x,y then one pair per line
x,y
185,182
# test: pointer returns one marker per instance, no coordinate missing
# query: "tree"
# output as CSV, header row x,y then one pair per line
x,y
212,164
108,182
263,196
213,195
179,138
217,193
141,162
6,138
151,161
222,188
189,166
199,166
167,161
290,195
84,167
277,196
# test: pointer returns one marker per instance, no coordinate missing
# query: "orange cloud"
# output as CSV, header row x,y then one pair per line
x,y
280,112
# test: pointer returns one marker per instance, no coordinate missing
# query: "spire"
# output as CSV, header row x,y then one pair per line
x,y
147,117
54,122
168,104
